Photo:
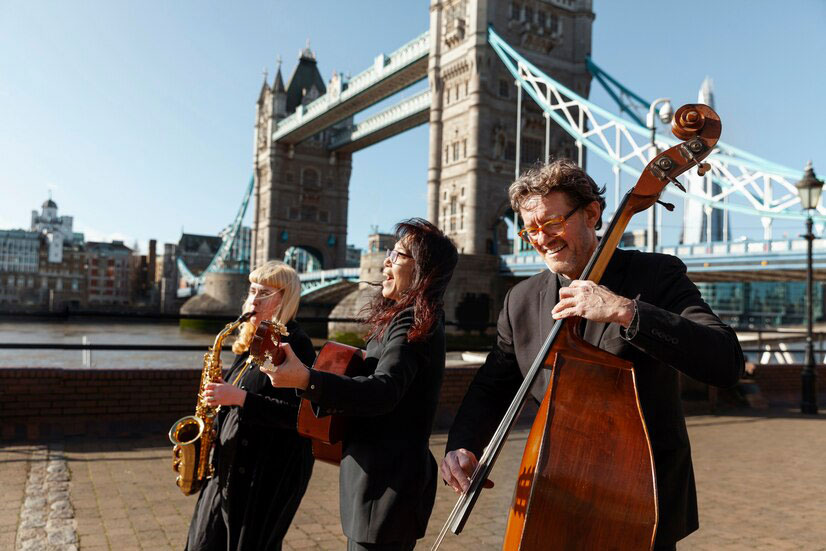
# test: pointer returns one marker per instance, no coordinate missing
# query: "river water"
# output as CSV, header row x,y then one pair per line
x,y
783,349
104,333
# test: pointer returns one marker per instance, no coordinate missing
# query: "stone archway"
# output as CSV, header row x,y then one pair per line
x,y
304,258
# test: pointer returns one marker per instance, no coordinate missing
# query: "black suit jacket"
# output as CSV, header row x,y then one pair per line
x,y
677,331
388,475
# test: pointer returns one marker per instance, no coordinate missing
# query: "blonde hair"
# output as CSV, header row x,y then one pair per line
x,y
281,276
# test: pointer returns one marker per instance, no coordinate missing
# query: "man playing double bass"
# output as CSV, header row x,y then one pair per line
x,y
646,311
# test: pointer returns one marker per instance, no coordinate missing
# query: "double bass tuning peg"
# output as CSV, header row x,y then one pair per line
x,y
702,168
667,206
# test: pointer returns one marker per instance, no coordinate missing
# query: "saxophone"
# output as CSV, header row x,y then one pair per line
x,y
193,436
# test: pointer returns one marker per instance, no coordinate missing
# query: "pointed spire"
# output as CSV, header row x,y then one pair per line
x,y
307,53
278,83
265,87
706,94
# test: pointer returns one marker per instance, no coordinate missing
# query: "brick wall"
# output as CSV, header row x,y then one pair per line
x,y
41,403
780,384
38,403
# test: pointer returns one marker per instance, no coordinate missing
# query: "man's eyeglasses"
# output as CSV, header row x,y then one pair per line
x,y
552,228
394,255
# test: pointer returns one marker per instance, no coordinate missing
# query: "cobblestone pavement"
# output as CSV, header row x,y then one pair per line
x,y
761,483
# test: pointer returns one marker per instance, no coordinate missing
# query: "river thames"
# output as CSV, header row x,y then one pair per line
x,y
98,332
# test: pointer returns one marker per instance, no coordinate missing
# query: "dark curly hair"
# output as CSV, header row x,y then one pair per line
x,y
435,256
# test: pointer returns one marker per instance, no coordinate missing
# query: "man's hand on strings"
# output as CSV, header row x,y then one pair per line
x,y
594,302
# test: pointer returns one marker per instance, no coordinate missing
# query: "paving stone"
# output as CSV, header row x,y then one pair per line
x,y
760,485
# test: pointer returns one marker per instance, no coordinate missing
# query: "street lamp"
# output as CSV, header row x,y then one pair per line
x,y
809,189
665,113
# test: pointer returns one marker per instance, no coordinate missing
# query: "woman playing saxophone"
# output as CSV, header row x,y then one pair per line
x,y
261,465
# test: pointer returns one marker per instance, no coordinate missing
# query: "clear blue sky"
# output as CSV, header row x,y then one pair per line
x,y
139,115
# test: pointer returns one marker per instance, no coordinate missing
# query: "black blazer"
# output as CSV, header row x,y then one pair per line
x,y
677,331
388,475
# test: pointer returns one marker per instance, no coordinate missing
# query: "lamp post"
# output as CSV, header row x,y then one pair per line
x,y
809,189
665,113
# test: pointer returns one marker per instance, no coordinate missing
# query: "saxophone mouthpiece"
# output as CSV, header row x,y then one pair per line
x,y
246,317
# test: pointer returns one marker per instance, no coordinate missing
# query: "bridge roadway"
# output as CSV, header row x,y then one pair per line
x,y
388,75
759,478
776,260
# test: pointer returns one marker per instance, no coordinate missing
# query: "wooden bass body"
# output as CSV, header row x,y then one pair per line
x,y
587,476
328,431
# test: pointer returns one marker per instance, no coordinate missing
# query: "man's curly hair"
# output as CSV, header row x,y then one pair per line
x,y
560,175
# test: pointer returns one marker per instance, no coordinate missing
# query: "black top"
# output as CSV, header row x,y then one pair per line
x,y
262,466
677,332
388,475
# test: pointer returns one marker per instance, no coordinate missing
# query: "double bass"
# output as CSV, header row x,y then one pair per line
x,y
587,479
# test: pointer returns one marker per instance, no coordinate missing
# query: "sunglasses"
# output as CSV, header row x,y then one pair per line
x,y
552,228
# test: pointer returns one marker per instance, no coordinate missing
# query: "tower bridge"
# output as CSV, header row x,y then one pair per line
x,y
507,84
347,96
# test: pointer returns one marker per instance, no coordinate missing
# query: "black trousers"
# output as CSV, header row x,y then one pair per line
x,y
357,546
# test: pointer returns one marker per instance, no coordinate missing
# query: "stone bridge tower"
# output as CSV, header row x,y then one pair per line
x,y
301,191
473,107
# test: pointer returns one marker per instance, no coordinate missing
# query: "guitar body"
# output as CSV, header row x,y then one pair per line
x,y
328,431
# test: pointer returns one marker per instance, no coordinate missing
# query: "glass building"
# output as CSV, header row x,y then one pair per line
x,y
762,303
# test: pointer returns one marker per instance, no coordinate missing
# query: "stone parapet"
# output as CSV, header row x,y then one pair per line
x,y
49,403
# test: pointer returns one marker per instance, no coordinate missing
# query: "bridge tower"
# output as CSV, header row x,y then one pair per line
x,y
301,190
472,114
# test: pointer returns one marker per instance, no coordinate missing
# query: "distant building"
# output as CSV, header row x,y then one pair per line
x,y
62,277
108,273
19,254
57,229
44,267
142,277
701,223
19,251
353,257
635,239
167,276
197,251
378,242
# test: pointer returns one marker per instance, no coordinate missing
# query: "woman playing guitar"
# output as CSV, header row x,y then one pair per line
x,y
388,475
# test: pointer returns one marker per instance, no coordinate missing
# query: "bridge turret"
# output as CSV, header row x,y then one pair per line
x,y
472,127
279,94
301,188
265,90
304,79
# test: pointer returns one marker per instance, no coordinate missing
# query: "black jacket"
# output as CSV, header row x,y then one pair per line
x,y
677,331
262,467
388,475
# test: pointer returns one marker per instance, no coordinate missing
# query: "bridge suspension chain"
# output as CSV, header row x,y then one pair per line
x,y
747,184
219,262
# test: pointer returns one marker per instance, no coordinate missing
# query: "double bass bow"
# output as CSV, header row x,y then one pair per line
x,y
587,479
